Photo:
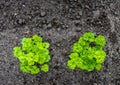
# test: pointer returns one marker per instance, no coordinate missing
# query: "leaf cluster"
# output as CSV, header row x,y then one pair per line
x,y
33,55
87,52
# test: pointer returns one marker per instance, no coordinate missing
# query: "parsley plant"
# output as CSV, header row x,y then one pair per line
x,y
33,55
87,52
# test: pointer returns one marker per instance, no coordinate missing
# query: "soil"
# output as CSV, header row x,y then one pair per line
x,y
61,23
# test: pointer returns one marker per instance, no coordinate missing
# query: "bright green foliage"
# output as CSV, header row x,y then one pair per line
x,y
87,53
33,55
44,68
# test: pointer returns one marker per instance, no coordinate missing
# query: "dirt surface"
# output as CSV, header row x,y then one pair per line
x,y
61,23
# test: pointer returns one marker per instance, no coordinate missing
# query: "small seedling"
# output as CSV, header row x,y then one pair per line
x,y
33,55
87,52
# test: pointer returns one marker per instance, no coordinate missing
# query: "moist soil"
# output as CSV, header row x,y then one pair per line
x,y
61,23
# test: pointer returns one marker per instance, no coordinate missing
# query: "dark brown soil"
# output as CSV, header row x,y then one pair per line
x,y
61,23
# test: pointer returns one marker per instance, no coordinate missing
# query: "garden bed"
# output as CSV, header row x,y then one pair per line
x,y
61,23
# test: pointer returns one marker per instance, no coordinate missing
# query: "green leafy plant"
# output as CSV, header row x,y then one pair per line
x,y
87,53
33,55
